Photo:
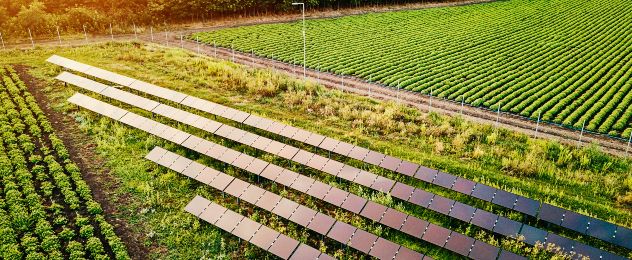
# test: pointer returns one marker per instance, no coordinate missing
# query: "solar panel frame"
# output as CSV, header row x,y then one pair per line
x,y
336,196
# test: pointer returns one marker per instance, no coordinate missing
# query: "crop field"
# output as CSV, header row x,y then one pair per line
x,y
46,208
568,62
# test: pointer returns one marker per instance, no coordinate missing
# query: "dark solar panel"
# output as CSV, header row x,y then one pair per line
x,y
354,203
390,163
506,255
283,246
532,234
484,219
348,173
287,177
421,198
436,235
221,181
336,196
358,153
318,190
551,214
329,144
321,223
462,211
229,221
341,232
408,254
252,194
305,252
407,168
402,191
373,211
484,192
317,162
459,244
246,229
315,139
302,183
505,199
268,201
333,167
302,157
365,178
444,180
213,213
601,229
414,226
587,251
257,166
393,218
382,184
374,158
285,208
362,241
527,206
441,205
343,148
384,249
237,187
482,250
623,237
302,215
426,174
507,227
271,172
288,152
576,222
197,205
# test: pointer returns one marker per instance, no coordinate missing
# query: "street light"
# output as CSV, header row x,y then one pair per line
x,y
304,42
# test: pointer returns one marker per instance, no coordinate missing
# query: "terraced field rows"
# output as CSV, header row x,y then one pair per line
x,y
568,61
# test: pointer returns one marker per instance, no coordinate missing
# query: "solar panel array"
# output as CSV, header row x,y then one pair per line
x,y
586,225
285,208
249,230
481,218
409,224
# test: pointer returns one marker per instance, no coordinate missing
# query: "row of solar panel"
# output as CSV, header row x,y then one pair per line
x,y
285,208
612,233
608,232
481,218
249,230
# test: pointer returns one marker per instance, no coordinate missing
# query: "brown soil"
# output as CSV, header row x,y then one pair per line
x,y
82,152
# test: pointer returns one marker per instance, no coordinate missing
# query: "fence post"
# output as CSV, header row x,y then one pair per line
x,y
343,83
430,101
58,36
214,49
31,37
628,148
398,87
462,102
232,47
166,36
537,125
581,134
498,114
85,34
135,35
181,42
2,40
111,33
370,80
151,31
197,39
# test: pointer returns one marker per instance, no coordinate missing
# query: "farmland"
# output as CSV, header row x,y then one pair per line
x,y
564,61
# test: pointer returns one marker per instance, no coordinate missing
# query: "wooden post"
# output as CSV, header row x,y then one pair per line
x,y
85,34
31,37
135,34
2,40
58,36
628,148
498,114
462,102
537,125
181,42
430,101
111,33
151,31
581,134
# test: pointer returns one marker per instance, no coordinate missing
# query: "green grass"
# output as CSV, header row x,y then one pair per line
x,y
586,180
569,61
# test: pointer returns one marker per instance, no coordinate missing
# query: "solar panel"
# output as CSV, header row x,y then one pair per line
x,y
459,244
374,158
276,128
192,142
482,250
532,234
343,148
317,162
462,211
384,249
68,63
426,174
336,196
252,120
229,156
81,82
441,204
506,255
436,235
623,237
246,229
252,194
274,147
304,252
484,192
328,144
271,172
365,178
212,213
527,206
373,211
321,223
393,218
285,208
505,199
347,172
315,139
587,251
402,191
268,201
407,168
197,205
421,198
243,161
283,246
444,180
229,221
261,143
236,187
302,215
362,241
407,254
414,226
301,135
207,175
264,237
354,203
257,166
155,154
302,157
552,214
288,152
390,163
341,232
576,222
507,227
288,131
601,229
193,170
382,184
358,153
221,181
287,177
302,183
180,164
484,219
318,190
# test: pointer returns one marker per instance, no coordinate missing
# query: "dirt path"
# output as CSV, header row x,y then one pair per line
x,y
413,99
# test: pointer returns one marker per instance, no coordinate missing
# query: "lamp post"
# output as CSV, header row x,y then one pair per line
x,y
304,41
